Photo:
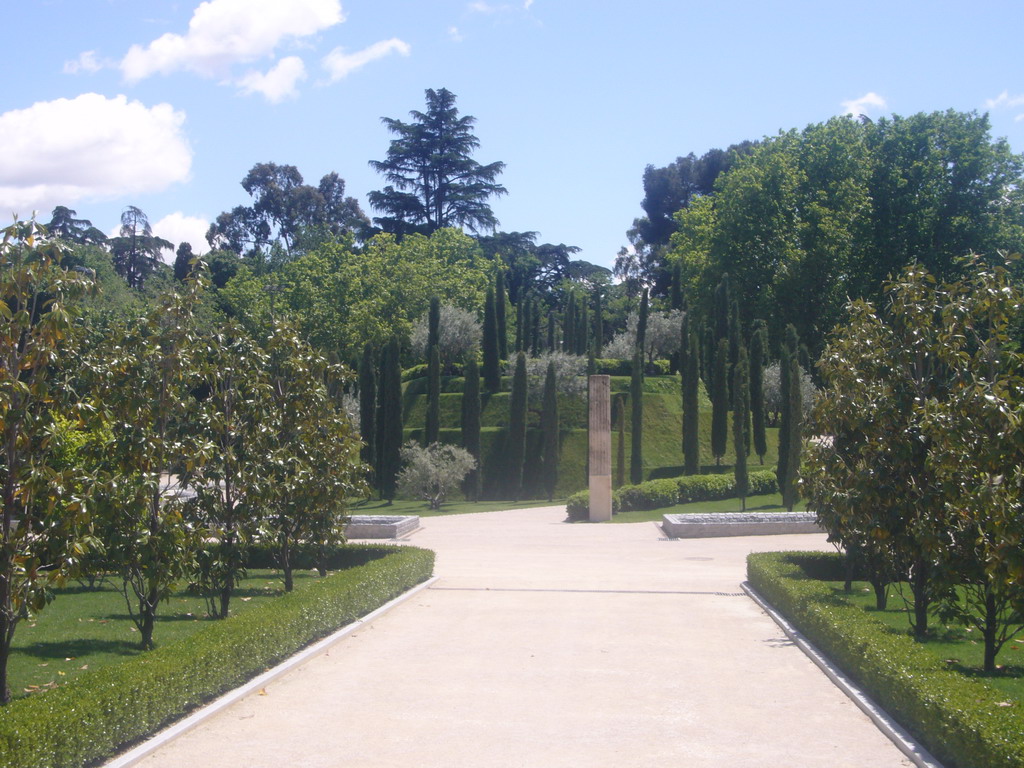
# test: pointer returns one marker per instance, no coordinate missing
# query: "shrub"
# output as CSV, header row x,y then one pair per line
x,y
431,473
961,720
92,716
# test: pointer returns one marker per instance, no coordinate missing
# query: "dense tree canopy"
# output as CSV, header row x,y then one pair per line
x,y
433,180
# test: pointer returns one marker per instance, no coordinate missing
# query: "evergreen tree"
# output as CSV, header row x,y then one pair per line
x,y
433,430
758,343
520,331
582,328
691,407
720,402
641,327
551,330
676,302
433,323
740,417
569,325
707,354
598,323
367,408
720,309
390,435
620,446
549,426
499,314
789,350
794,442
471,425
517,428
636,394
534,327
492,364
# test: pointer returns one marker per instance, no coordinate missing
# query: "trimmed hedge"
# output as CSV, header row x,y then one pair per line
x,y
94,715
957,718
670,491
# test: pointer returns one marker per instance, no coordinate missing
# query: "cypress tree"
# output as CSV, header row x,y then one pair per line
x,y
620,446
534,327
591,364
720,402
582,328
691,407
598,323
734,343
569,325
433,426
788,351
757,354
740,416
549,427
517,428
641,327
707,355
492,364
551,330
390,419
636,395
794,441
433,323
720,309
520,335
471,425
499,316
367,408
676,302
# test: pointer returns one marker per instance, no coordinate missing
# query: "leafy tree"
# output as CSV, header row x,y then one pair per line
x,y
430,472
459,334
758,342
389,420
136,250
283,209
794,442
471,424
691,406
517,427
152,433
434,181
64,225
368,407
720,402
740,420
183,262
636,397
492,365
44,515
550,428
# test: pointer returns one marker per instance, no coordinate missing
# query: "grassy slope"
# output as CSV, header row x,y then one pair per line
x,y
662,432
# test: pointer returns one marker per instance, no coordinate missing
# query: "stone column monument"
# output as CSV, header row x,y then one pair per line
x,y
600,433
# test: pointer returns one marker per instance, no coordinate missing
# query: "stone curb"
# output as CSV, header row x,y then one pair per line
x,y
133,756
714,524
899,736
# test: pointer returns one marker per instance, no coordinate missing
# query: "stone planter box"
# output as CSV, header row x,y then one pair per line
x,y
381,526
738,524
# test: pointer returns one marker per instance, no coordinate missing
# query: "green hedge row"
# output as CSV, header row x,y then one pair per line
x,y
675,490
94,715
958,719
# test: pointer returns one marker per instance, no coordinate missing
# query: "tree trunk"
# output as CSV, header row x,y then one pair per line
x,y
990,630
919,586
225,599
286,563
881,594
147,617
6,636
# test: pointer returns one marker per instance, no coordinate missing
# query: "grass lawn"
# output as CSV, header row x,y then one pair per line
x,y
421,508
88,628
958,646
771,502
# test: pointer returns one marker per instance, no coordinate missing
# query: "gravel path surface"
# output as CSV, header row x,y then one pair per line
x,y
549,644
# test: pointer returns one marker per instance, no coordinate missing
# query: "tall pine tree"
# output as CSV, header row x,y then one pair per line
x,y
758,344
471,425
790,344
636,396
569,325
641,328
367,408
390,434
499,315
433,427
794,442
740,417
720,402
517,428
492,359
549,428
598,323
691,406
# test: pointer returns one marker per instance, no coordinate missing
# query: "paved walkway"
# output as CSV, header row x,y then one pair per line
x,y
544,645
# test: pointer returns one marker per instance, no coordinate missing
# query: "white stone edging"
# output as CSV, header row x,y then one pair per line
x,y
172,732
896,733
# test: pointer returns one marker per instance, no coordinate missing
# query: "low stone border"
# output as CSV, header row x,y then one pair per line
x,y
381,526
711,524
896,733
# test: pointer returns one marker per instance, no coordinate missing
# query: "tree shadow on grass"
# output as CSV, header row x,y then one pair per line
x,y
78,648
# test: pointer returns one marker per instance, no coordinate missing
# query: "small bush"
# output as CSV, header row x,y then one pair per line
x,y
92,716
960,720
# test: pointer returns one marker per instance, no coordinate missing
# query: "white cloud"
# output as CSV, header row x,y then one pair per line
x,y
179,228
340,64
864,105
57,152
483,7
222,33
527,4
86,62
454,35
278,83
1005,101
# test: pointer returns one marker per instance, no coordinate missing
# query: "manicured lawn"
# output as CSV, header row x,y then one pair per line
x,y
421,508
958,646
89,628
771,502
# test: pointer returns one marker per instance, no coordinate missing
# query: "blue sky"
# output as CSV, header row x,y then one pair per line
x,y
166,104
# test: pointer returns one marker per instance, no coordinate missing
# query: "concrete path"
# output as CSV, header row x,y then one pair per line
x,y
548,644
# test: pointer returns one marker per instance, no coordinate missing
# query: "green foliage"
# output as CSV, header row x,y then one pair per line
x,y
758,353
517,428
492,359
470,402
961,720
654,494
691,406
94,715
389,420
433,395
636,422
741,424
550,427
720,401
431,472
368,407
